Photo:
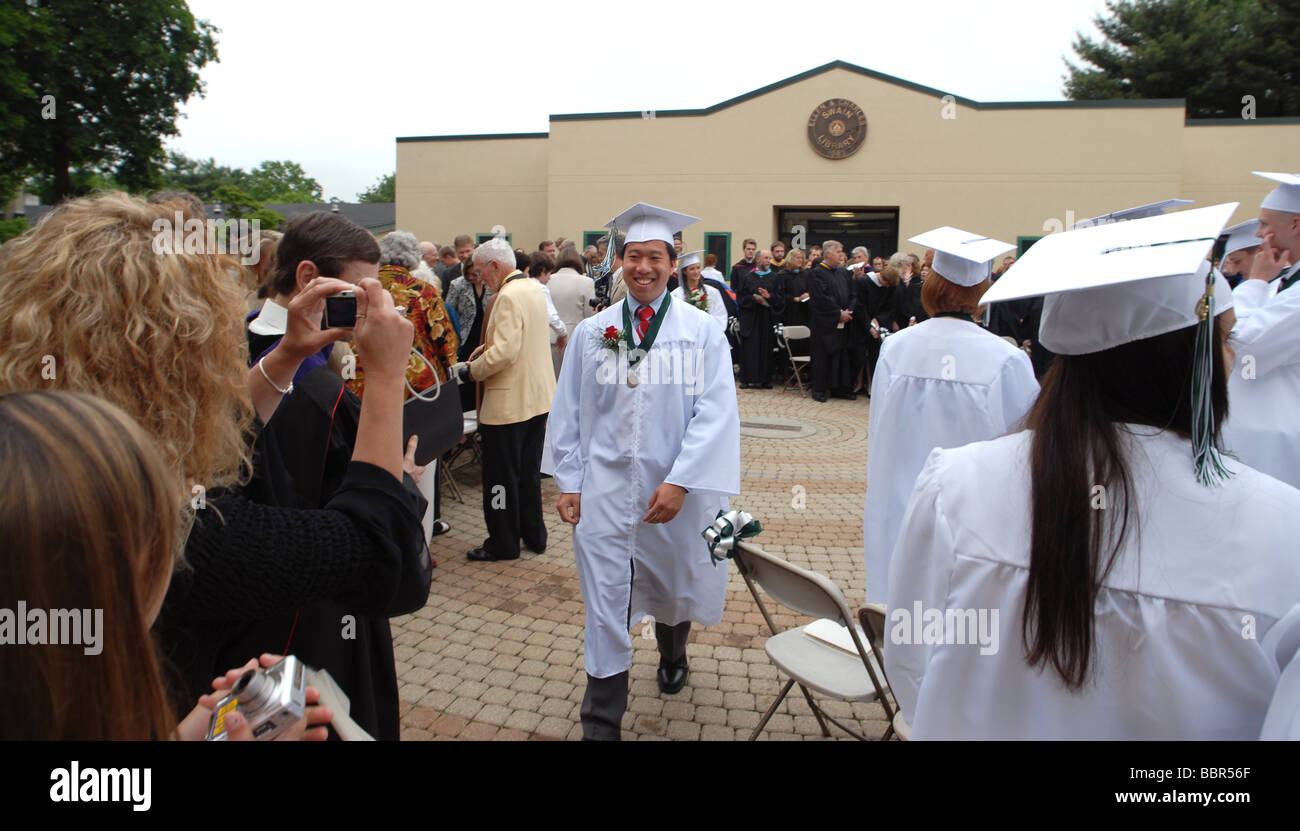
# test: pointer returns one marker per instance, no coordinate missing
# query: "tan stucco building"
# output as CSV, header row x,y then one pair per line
x,y
748,167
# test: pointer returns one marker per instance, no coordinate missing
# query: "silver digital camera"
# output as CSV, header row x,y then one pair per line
x,y
272,700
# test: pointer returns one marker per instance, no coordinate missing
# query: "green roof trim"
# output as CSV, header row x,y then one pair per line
x,y
1233,122
474,137
879,76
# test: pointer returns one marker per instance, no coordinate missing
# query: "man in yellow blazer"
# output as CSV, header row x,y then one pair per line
x,y
514,366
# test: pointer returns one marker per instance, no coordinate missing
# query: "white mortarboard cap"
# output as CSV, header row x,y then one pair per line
x,y
1100,283
1241,236
1286,196
690,258
643,223
960,256
1140,212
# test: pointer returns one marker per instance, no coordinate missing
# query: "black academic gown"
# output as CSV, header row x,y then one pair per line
x,y
878,305
739,270
795,285
829,294
907,303
757,321
858,328
1019,320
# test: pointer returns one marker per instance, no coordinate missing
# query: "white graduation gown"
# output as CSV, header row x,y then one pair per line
x,y
615,444
717,309
1178,649
944,382
1263,424
1283,645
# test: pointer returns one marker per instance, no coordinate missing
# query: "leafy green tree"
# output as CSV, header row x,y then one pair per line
x,y
241,205
95,85
200,177
384,190
10,228
1213,53
282,181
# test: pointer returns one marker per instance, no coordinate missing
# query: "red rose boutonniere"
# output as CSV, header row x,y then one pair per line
x,y
611,338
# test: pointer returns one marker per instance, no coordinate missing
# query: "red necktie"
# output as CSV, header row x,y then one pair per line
x,y
643,316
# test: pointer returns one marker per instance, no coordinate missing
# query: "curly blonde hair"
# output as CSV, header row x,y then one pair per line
x,y
87,303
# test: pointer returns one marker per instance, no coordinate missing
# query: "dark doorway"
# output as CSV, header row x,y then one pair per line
x,y
875,227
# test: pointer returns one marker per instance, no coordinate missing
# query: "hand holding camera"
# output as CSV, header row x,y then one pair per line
x,y
241,725
303,334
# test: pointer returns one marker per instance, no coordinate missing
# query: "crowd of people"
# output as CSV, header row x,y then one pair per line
x,y
203,450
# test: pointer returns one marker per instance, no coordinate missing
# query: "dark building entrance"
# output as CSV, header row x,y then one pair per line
x,y
874,227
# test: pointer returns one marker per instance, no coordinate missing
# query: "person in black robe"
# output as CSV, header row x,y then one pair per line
x,y
761,303
908,310
878,315
743,267
831,309
794,284
1019,320
858,330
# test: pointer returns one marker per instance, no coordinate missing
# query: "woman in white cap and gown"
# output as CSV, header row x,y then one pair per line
x,y
698,293
1122,573
644,444
944,382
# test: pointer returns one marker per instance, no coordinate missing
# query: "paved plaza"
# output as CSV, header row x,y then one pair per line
x,y
497,652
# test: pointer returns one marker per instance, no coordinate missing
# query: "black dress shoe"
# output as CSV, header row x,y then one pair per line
x,y
819,396
536,549
767,386
847,396
482,555
672,679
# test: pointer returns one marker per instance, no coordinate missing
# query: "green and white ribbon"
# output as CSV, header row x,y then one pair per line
x,y
728,529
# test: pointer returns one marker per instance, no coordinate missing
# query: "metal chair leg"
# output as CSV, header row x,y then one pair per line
x,y
771,710
826,731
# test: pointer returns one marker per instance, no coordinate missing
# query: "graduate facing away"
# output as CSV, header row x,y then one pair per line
x,y
644,445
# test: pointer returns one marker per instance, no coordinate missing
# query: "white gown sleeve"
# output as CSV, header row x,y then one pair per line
x,y
563,455
1248,296
1282,644
1013,392
1271,333
717,308
709,460
919,572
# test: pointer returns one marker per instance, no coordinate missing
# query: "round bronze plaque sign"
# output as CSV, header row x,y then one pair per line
x,y
837,128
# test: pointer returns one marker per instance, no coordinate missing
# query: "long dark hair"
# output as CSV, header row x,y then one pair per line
x,y
1077,446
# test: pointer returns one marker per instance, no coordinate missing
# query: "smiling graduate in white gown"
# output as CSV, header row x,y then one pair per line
x,y
647,463
1175,609
689,267
942,383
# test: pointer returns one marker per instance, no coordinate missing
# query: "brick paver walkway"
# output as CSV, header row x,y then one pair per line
x,y
497,652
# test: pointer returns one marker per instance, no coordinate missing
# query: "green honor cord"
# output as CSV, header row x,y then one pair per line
x,y
635,353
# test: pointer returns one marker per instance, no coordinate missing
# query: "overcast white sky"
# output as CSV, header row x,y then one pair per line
x,y
331,84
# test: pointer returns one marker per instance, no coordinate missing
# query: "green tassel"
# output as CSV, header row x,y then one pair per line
x,y
1210,469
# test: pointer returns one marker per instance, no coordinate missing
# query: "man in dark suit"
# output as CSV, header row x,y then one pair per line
x,y
833,307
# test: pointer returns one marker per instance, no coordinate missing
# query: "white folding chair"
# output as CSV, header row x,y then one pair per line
x,y
798,363
468,443
872,619
811,663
